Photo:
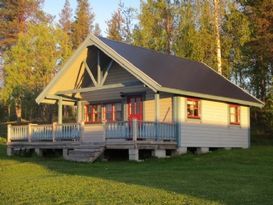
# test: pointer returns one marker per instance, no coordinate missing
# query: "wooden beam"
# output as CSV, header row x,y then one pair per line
x,y
99,69
106,72
60,111
118,85
157,107
63,97
90,74
79,112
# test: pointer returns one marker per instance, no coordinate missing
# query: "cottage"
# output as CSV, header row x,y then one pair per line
x,y
133,98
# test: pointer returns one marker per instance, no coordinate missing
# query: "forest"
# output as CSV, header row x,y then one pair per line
x,y
234,37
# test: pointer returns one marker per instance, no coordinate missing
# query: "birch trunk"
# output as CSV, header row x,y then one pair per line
x,y
217,30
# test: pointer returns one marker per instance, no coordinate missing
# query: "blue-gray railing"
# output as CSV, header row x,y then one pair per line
x,y
140,130
49,132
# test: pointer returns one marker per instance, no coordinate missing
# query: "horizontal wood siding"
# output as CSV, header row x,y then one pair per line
x,y
214,130
110,94
165,108
117,74
149,107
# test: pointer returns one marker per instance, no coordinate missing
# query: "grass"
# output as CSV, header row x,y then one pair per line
x,y
221,177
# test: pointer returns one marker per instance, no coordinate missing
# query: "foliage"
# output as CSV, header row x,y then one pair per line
x,y
14,16
156,25
32,62
65,21
222,177
83,23
120,26
97,30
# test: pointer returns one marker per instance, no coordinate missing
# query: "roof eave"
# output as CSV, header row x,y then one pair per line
x,y
259,104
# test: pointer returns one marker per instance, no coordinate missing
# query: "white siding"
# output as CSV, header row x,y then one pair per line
x,y
213,129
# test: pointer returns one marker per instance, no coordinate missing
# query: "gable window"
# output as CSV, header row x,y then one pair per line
x,y
234,114
193,108
98,113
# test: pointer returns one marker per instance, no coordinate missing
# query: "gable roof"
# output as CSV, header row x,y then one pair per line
x,y
161,72
178,73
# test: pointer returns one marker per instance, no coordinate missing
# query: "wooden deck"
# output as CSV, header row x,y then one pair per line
x,y
80,139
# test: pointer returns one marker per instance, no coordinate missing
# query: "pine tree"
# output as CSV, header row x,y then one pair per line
x,y
65,21
97,30
83,23
14,16
115,25
31,64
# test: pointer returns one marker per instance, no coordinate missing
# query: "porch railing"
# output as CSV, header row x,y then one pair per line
x,y
49,132
140,130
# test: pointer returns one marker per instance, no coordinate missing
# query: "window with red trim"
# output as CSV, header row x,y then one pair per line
x,y
98,113
193,108
234,114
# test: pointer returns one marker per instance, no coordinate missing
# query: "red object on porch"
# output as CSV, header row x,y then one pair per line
x,y
135,108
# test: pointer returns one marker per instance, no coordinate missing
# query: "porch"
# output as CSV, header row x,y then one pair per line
x,y
87,142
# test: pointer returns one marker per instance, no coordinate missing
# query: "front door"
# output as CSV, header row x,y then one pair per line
x,y
135,107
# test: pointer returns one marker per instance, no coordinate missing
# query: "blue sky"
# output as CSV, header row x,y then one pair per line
x,y
103,9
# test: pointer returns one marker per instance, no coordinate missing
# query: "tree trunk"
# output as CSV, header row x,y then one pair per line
x,y
217,31
18,110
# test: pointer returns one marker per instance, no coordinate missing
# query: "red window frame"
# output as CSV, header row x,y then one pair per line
x,y
90,109
198,108
237,115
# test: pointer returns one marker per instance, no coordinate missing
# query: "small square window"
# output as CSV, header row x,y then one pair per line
x,y
193,108
234,114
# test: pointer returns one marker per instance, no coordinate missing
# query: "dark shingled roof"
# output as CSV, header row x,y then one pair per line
x,y
179,73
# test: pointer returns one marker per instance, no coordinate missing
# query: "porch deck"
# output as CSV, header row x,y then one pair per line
x,y
132,135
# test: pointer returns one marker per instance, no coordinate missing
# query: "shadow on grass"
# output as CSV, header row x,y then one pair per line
x,y
229,177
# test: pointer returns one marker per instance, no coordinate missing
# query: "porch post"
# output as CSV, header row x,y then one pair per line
x,y
157,107
157,115
79,111
60,111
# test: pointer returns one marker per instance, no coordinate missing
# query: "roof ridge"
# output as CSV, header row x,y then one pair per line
x,y
151,50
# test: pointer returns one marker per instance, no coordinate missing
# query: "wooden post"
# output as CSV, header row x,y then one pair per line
x,y
60,111
54,130
99,69
81,131
79,111
135,130
9,133
157,114
29,132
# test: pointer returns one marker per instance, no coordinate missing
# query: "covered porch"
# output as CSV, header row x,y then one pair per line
x,y
74,137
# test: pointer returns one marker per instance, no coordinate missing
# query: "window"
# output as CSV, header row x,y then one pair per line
x,y
234,114
193,108
98,113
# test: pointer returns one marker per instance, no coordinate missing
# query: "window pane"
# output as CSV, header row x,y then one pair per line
x,y
193,108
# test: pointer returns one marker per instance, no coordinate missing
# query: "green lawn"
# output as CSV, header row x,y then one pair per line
x,y
222,177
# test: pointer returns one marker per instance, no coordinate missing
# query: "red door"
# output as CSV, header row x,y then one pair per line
x,y
135,108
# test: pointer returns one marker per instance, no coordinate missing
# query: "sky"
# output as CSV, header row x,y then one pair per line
x,y
103,9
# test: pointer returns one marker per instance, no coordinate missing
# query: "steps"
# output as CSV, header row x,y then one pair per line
x,y
86,153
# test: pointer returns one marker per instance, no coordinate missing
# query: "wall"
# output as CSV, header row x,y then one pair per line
x,y
213,129
165,107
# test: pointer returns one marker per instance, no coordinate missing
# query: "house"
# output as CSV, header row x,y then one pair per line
x,y
134,98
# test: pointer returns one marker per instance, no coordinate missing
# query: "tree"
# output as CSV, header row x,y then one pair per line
x,y
97,30
129,15
157,25
31,64
115,24
217,36
83,23
14,16
65,21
